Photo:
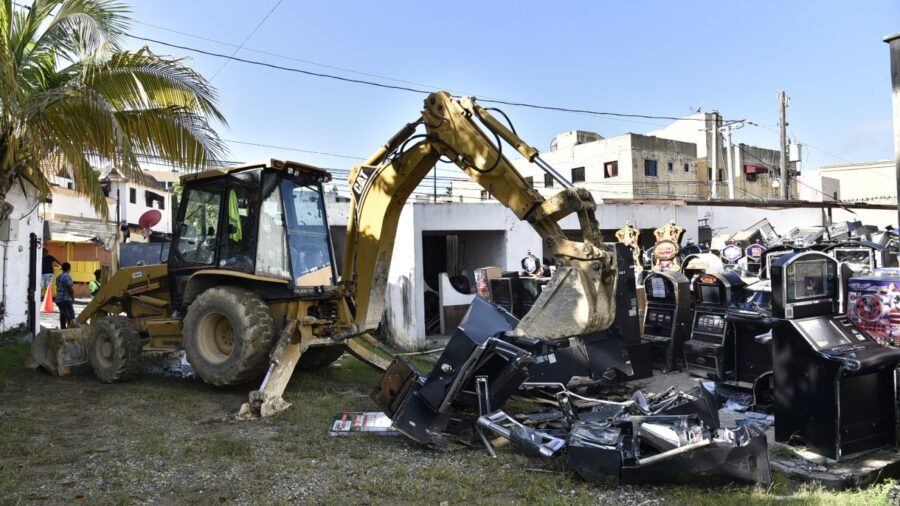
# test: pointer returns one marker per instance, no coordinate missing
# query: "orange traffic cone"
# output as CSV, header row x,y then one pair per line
x,y
48,302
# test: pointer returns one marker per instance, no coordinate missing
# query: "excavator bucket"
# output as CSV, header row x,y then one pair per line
x,y
59,352
575,303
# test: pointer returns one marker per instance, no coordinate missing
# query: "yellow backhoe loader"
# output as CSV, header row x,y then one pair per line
x,y
250,288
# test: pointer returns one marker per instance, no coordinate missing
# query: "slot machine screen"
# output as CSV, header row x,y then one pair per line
x,y
811,279
501,290
822,333
659,289
710,294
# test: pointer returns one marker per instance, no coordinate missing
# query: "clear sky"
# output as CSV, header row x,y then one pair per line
x,y
647,57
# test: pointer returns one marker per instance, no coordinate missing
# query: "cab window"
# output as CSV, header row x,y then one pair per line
x,y
238,244
197,237
272,250
310,248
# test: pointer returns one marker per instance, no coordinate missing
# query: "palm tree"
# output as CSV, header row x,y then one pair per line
x,y
70,97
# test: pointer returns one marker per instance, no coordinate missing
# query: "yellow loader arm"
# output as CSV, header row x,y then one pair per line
x,y
579,300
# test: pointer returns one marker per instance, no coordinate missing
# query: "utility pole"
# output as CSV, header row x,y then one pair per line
x,y
726,130
894,41
714,171
785,183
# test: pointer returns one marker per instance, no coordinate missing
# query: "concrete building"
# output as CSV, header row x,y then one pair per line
x,y
756,170
134,197
675,162
19,236
629,166
870,182
457,238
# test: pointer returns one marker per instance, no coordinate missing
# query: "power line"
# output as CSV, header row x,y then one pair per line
x,y
258,25
300,60
286,148
406,88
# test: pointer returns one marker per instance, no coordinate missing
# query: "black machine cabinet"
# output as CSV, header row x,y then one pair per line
x,y
516,294
667,318
710,351
751,319
834,385
506,292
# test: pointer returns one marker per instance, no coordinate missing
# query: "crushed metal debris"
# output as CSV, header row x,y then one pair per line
x,y
670,436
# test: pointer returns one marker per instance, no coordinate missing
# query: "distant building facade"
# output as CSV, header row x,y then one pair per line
x,y
675,162
629,166
870,182
135,197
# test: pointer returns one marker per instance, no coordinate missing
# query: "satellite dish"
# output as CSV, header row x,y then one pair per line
x,y
150,218
147,220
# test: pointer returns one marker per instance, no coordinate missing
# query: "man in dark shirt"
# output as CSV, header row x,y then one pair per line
x,y
47,268
65,296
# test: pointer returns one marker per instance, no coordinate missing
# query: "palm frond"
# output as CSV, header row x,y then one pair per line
x,y
144,80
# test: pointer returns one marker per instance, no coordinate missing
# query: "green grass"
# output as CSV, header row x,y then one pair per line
x,y
875,495
12,360
73,436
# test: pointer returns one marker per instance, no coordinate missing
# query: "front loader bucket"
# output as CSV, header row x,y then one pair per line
x,y
573,304
60,352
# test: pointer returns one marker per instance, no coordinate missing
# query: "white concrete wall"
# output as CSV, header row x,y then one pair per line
x,y
69,203
14,268
689,129
131,213
874,183
734,219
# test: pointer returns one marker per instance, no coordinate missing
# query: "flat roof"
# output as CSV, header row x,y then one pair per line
x,y
271,163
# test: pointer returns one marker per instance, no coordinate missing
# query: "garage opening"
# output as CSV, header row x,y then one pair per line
x,y
458,254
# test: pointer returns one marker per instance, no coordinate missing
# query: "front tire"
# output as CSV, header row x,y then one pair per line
x,y
228,333
115,349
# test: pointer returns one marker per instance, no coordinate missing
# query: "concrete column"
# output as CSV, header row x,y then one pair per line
x,y
894,41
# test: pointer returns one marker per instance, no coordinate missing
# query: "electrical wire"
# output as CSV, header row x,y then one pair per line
x,y
247,39
407,88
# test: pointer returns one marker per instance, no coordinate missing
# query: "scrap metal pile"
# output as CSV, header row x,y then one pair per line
x,y
670,436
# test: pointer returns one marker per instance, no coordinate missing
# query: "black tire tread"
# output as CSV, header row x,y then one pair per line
x,y
127,348
257,334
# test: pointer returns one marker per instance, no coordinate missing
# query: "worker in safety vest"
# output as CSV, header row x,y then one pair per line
x,y
95,285
234,218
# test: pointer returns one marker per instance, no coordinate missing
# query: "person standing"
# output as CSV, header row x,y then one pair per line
x,y
65,296
94,286
47,268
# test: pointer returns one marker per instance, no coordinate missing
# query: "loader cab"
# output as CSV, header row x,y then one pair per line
x,y
259,223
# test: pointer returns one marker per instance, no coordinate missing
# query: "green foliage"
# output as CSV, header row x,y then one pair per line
x,y
70,96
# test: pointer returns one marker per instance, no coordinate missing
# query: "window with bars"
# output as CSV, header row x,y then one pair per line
x,y
548,181
650,168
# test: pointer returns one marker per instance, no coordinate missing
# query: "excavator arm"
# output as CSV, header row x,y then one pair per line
x,y
578,301
580,298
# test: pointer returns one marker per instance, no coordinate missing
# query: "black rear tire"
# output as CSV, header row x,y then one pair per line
x,y
320,356
115,349
228,333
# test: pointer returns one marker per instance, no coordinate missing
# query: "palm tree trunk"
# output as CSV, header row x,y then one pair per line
x,y
6,182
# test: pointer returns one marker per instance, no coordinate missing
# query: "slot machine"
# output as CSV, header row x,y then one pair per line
x,y
751,318
667,318
834,384
754,254
710,352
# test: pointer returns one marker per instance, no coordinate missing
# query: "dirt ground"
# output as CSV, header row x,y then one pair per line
x,y
166,440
